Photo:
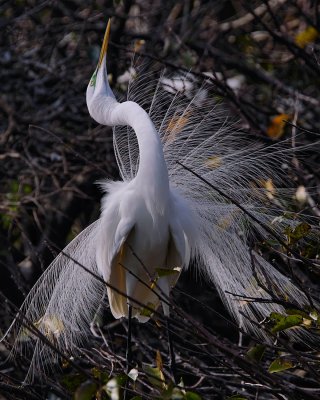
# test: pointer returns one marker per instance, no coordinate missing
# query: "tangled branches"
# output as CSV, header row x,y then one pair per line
x,y
263,59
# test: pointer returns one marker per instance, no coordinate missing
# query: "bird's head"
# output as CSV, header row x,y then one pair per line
x,y
98,90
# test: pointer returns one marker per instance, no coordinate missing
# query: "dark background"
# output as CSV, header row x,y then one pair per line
x,y
52,152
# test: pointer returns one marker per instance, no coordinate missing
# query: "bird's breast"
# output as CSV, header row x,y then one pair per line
x,y
150,237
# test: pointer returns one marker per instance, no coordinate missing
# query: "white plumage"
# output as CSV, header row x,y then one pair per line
x,y
161,234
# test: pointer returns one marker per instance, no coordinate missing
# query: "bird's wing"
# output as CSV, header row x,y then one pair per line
x,y
183,227
113,231
182,234
195,130
115,274
62,303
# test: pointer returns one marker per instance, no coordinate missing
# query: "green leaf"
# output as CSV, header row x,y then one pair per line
x,y
167,392
166,272
71,382
299,232
292,311
287,322
276,316
237,397
86,391
314,315
155,376
122,379
189,59
99,374
280,364
6,221
177,394
27,189
255,353
146,312
308,319
136,398
14,186
191,396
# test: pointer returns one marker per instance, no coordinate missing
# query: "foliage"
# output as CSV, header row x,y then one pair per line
x,y
262,60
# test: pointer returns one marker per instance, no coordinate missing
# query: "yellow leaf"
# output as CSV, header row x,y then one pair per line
x,y
270,189
276,127
158,323
175,125
301,194
159,362
138,44
153,283
307,36
306,322
50,325
213,162
225,223
146,312
227,220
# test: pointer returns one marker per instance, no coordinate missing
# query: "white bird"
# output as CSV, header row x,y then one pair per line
x,y
161,216
144,214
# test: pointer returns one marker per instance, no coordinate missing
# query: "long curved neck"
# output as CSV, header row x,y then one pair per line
x,y
104,108
152,165
152,172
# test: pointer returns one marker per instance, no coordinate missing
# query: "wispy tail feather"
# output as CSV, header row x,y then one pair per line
x,y
61,305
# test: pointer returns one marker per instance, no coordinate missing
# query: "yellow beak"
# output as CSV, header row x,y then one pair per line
x,y
104,47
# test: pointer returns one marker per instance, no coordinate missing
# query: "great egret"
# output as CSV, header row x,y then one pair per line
x,y
161,216
144,214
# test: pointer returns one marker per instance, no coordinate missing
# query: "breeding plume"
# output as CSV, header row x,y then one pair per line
x,y
161,217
